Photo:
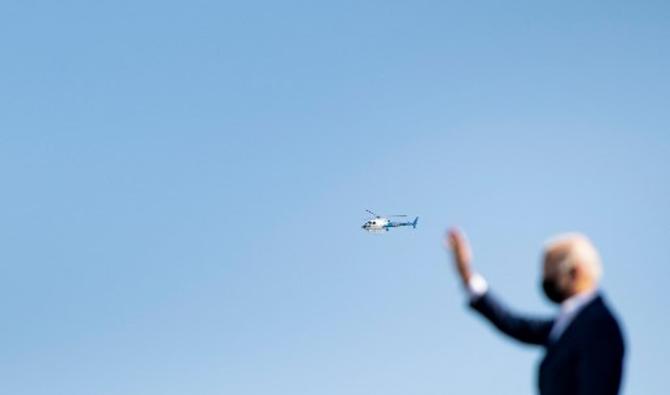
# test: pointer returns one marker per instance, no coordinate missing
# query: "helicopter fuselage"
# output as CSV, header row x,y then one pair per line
x,y
384,224
377,224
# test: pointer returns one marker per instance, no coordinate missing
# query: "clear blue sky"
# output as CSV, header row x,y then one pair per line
x,y
183,185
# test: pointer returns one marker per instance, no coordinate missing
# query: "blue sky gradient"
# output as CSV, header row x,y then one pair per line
x,y
184,184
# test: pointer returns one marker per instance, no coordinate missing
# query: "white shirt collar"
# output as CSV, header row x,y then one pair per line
x,y
575,303
569,309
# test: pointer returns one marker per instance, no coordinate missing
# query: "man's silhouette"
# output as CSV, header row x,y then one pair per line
x,y
584,345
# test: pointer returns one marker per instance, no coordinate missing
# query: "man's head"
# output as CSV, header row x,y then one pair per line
x,y
571,266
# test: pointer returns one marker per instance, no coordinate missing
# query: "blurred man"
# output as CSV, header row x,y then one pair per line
x,y
583,343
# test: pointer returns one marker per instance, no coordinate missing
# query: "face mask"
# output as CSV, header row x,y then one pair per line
x,y
552,291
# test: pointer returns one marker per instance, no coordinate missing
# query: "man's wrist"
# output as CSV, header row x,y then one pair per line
x,y
476,286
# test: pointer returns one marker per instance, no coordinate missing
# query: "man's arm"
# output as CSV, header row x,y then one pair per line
x,y
527,330
524,329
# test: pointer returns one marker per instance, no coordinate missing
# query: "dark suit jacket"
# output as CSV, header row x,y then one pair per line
x,y
587,359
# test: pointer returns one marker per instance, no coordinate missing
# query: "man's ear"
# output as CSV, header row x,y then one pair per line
x,y
575,276
573,273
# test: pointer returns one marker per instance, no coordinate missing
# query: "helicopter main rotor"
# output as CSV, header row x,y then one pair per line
x,y
378,216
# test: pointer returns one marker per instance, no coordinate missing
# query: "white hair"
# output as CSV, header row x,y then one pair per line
x,y
580,251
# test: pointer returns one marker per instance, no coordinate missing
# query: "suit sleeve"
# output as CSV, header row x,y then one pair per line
x,y
600,364
525,329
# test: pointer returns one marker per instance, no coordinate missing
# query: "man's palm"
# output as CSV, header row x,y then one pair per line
x,y
462,255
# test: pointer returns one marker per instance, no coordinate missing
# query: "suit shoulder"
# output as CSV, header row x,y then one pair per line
x,y
602,321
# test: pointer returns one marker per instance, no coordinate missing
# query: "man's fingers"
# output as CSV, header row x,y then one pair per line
x,y
459,244
455,238
460,248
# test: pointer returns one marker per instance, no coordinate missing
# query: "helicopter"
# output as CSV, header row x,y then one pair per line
x,y
381,224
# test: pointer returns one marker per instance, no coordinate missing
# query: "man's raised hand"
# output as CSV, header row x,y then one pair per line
x,y
461,254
